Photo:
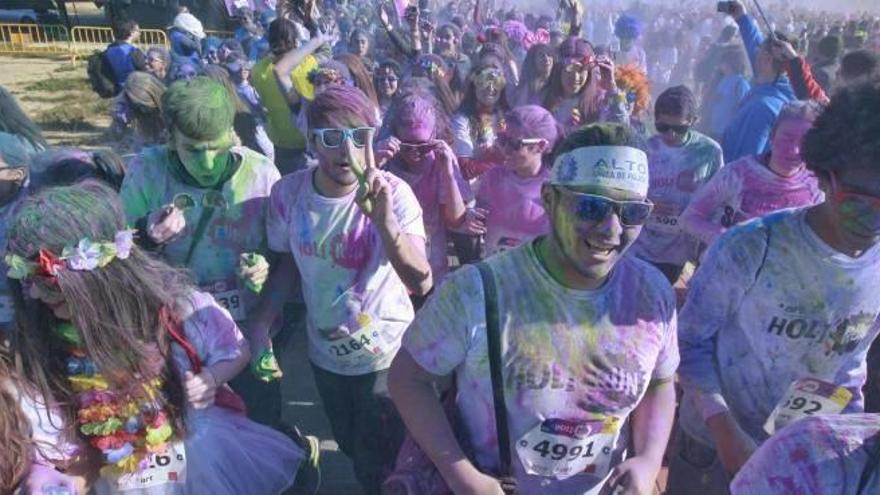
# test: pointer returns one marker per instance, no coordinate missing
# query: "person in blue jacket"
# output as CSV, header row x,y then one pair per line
x,y
749,131
122,56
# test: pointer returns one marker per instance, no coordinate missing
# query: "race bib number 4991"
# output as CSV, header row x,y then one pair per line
x,y
807,397
560,448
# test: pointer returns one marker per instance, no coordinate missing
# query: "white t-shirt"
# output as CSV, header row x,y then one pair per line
x,y
818,455
567,354
348,282
677,172
771,304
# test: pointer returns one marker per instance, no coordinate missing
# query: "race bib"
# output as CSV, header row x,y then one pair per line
x,y
665,223
807,397
163,469
230,297
363,345
560,448
7,309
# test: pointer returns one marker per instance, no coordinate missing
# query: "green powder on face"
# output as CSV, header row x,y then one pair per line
x,y
200,108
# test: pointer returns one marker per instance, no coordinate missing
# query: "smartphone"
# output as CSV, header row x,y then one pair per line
x,y
725,7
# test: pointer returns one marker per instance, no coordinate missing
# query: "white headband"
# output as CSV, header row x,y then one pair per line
x,y
621,167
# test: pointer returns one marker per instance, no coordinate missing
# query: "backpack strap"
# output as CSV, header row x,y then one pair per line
x,y
493,332
173,327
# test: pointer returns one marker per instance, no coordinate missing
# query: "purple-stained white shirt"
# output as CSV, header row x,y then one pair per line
x,y
571,354
746,189
347,279
516,211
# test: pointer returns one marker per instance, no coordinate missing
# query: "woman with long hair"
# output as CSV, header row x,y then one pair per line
x,y
511,194
31,444
387,79
574,95
359,74
435,68
135,357
425,160
480,117
19,136
142,98
536,71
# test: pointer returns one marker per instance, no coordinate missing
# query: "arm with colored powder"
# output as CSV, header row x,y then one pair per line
x,y
434,345
698,219
285,65
651,425
715,295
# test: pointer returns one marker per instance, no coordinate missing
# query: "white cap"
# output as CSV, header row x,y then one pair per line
x,y
188,22
620,167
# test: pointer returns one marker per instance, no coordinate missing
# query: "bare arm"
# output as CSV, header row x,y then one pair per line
x,y
652,421
284,277
412,390
289,61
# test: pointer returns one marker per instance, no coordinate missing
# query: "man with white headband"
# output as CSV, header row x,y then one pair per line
x,y
588,342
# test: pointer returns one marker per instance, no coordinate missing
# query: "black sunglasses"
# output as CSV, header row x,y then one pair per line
x,y
678,129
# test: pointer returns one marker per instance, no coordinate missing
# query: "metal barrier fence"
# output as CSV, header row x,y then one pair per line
x,y
34,39
86,39
220,34
37,39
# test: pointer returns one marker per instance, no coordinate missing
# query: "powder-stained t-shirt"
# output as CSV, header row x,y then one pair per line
x,y
239,228
677,173
569,354
350,288
743,190
818,455
430,187
516,210
771,304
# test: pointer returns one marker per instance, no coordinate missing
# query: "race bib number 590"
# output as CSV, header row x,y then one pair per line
x,y
561,448
807,397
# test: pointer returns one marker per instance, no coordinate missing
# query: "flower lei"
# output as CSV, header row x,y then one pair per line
x,y
84,256
126,426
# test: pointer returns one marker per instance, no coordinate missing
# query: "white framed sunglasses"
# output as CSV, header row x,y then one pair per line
x,y
333,137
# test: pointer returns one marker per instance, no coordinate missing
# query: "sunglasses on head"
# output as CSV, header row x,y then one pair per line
x,y
516,143
678,129
211,199
333,137
595,208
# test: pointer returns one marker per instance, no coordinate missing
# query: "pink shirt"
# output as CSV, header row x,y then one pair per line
x,y
746,189
516,212
431,189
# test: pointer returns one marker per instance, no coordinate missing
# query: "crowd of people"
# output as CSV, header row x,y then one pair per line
x,y
533,252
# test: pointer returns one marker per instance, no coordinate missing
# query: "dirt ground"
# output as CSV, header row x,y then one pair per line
x,y
55,93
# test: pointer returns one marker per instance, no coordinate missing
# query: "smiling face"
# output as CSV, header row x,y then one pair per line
x,y
587,250
574,76
488,85
386,82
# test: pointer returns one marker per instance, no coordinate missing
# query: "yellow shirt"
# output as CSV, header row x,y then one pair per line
x,y
281,131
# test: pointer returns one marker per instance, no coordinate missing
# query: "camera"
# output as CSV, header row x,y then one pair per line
x,y
725,7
